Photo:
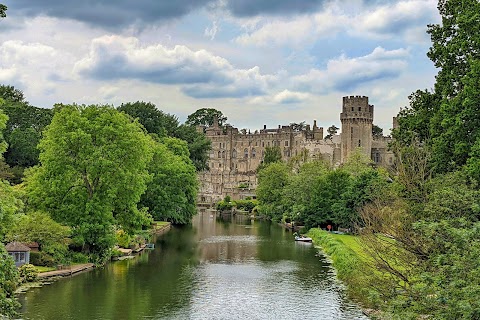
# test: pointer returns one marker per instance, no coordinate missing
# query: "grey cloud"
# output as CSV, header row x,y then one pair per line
x,y
214,92
107,13
246,8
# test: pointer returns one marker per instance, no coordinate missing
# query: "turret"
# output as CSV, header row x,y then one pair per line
x,y
357,120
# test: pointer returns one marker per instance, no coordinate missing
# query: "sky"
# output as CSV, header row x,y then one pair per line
x,y
258,61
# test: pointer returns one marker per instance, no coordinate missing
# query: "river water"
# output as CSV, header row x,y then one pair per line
x,y
217,268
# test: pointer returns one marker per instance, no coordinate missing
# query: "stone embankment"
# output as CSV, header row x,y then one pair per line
x,y
66,271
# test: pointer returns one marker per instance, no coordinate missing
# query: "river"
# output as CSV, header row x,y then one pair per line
x,y
217,268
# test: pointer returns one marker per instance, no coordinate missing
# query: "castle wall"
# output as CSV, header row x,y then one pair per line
x,y
235,156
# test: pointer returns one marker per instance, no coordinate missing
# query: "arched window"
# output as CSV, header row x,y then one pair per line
x,y
245,153
254,153
234,153
223,154
219,154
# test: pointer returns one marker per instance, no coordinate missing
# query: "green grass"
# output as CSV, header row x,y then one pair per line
x,y
44,269
161,224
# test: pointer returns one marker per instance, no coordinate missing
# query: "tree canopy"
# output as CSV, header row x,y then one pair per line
x,y
205,117
92,174
3,9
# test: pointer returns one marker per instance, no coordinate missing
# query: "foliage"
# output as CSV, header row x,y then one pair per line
x,y
198,145
52,237
8,282
3,9
332,130
154,120
42,259
92,175
298,126
271,182
171,194
24,127
10,204
447,119
377,132
205,117
246,205
272,155
123,239
166,125
28,273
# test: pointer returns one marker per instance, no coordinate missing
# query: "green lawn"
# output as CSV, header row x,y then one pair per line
x,y
161,224
44,269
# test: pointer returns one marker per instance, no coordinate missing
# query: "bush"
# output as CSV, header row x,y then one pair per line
x,y
42,259
28,273
123,239
246,205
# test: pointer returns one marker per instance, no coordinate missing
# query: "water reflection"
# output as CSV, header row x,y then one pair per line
x,y
218,268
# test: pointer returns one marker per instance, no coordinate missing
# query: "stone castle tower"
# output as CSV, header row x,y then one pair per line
x,y
357,119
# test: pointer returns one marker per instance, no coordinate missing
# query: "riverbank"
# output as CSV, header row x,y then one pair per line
x,y
352,267
47,277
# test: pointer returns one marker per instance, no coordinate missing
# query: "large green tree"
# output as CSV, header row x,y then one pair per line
x,y
205,117
92,174
271,183
24,127
172,192
164,124
448,118
153,119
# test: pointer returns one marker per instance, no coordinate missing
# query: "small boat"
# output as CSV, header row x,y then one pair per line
x,y
150,246
303,239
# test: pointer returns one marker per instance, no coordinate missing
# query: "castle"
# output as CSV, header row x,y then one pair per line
x,y
235,155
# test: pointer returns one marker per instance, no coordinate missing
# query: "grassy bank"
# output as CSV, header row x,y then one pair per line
x,y
352,265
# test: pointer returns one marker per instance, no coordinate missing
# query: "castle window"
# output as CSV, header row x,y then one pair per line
x,y
359,143
254,153
353,108
245,153
359,108
219,154
223,154
268,144
263,143
234,153
286,143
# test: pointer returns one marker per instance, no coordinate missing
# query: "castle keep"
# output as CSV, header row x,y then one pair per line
x,y
235,155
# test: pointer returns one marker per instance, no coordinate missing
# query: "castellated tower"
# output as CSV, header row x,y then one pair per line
x,y
357,119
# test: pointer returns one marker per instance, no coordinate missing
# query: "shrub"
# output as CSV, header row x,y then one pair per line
x,y
28,273
42,259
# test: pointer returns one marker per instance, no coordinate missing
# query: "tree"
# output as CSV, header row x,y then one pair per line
x,y
205,117
154,120
3,9
332,130
172,192
8,283
298,126
272,155
198,145
447,119
51,236
24,127
271,181
164,124
92,174
377,132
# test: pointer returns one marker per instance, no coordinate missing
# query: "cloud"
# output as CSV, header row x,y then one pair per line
x,y
345,74
107,13
200,73
402,17
406,18
248,8
211,32
284,97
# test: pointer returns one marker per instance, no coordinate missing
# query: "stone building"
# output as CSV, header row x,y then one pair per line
x,y
235,155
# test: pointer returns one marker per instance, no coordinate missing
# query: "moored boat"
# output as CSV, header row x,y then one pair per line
x,y
303,239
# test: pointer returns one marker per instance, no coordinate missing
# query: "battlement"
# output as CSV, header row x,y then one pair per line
x,y
357,104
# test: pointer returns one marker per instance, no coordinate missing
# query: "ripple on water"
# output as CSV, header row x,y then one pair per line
x,y
262,290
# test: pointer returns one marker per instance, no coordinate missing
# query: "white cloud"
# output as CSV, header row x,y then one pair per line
x,y
284,97
211,32
200,73
345,74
